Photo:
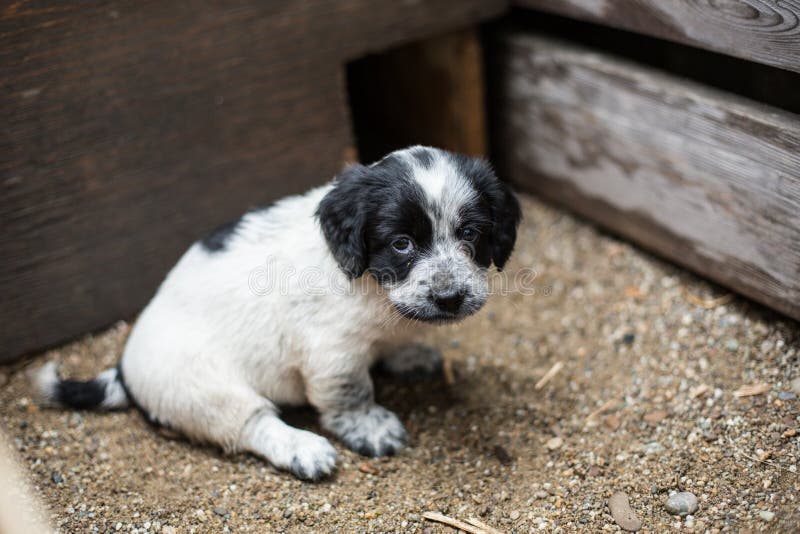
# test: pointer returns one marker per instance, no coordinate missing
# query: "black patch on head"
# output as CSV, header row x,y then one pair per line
x,y
501,202
478,216
342,214
424,156
367,209
80,395
403,211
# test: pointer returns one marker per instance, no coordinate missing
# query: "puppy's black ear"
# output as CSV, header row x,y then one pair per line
x,y
343,217
506,215
502,203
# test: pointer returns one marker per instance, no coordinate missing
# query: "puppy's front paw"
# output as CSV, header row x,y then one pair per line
x,y
412,362
304,454
370,431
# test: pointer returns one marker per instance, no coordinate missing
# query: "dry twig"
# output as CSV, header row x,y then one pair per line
x,y
549,375
751,390
699,391
447,370
480,524
455,523
610,403
708,303
759,460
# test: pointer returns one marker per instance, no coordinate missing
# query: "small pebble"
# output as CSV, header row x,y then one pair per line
x,y
514,515
655,417
653,447
56,477
628,338
795,385
683,503
503,455
732,345
554,443
287,513
366,467
3,379
766,515
166,529
622,513
787,395
221,512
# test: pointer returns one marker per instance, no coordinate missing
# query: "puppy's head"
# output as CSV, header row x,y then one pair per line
x,y
427,224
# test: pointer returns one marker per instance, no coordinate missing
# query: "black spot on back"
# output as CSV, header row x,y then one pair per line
x,y
424,156
217,239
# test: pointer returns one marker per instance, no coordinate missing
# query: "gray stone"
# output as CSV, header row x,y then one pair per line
x,y
683,503
653,447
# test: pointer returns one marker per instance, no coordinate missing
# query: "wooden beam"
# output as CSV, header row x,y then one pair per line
x,y
702,177
766,31
132,128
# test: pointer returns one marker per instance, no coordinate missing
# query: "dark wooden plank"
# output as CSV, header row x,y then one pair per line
x,y
129,129
704,178
766,31
428,92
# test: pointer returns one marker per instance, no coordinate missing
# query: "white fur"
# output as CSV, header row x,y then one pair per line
x,y
273,320
234,347
44,381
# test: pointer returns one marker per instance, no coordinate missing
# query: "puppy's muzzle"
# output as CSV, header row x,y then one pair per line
x,y
446,293
448,300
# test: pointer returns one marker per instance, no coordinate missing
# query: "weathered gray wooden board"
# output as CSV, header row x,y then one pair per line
x,y
767,31
704,178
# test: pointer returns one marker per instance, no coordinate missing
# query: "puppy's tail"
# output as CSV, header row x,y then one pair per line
x,y
104,392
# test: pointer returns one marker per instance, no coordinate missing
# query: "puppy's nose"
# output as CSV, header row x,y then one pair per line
x,y
448,300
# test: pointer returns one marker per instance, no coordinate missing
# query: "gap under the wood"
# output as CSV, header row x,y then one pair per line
x,y
429,92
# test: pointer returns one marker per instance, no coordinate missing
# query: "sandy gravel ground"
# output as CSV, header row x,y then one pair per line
x,y
646,403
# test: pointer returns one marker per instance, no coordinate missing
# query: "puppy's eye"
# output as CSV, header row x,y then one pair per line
x,y
403,245
468,234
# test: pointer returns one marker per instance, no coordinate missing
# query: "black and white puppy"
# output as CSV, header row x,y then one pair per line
x,y
293,303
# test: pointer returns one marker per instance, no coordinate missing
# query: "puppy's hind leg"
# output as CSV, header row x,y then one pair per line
x,y
305,454
223,410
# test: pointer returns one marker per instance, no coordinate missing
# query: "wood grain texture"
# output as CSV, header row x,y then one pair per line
x,y
766,31
699,176
428,92
132,128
